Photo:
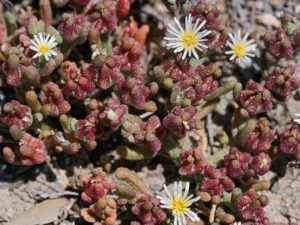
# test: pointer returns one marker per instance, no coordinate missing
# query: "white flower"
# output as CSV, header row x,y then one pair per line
x,y
237,223
297,119
188,39
241,49
178,201
43,45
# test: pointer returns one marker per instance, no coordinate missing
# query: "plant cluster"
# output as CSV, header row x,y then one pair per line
x,y
65,103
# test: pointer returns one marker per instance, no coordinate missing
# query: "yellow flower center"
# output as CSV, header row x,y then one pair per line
x,y
189,39
239,49
179,205
43,48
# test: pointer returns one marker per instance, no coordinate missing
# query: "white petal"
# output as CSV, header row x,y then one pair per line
x,y
247,59
176,35
193,216
163,199
184,54
178,24
195,27
249,54
187,22
33,43
175,189
239,34
195,53
189,52
167,191
190,25
229,44
178,49
165,206
37,55
243,62
229,52
34,48
232,57
41,38
174,30
47,38
175,220
52,52
204,33
251,47
37,40
180,222
245,37
53,44
182,219
186,191
202,45
200,49
196,199
174,43
171,38
52,40
249,42
203,40
231,37
201,25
